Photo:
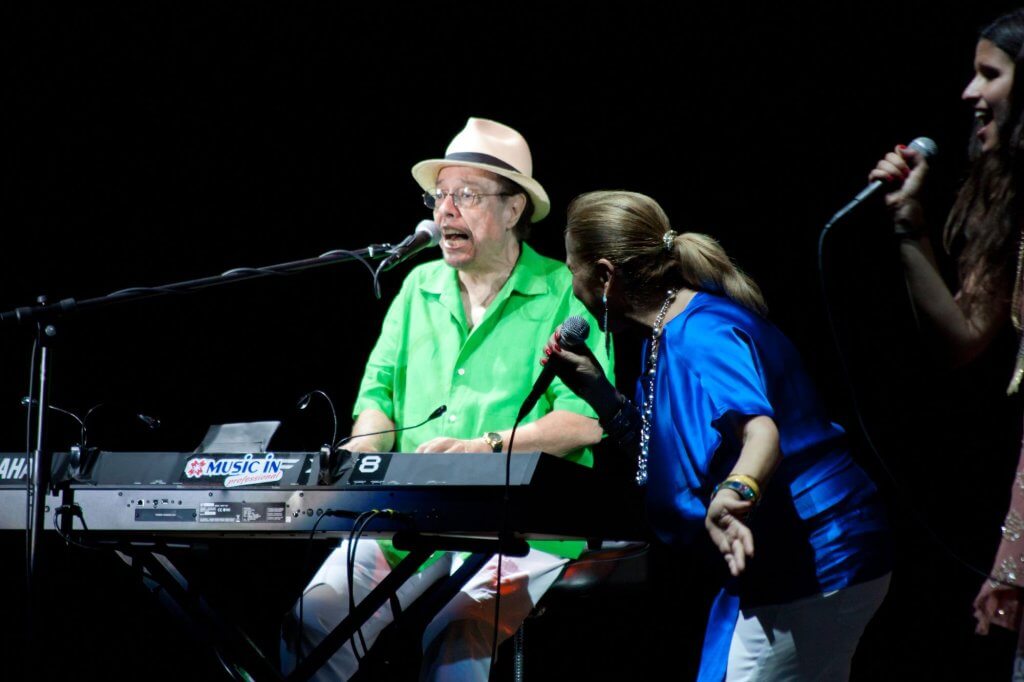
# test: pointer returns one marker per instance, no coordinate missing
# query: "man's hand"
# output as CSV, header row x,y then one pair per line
x,y
444,444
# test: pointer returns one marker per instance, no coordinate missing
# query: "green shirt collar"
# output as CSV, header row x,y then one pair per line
x,y
526,276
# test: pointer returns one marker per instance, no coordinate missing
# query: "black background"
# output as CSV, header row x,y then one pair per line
x,y
154,143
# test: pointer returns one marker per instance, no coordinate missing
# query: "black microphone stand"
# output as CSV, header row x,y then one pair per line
x,y
41,461
45,315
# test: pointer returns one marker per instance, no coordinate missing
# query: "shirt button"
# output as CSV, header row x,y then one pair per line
x,y
451,417
462,371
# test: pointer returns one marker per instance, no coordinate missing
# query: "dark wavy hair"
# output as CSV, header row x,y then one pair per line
x,y
985,221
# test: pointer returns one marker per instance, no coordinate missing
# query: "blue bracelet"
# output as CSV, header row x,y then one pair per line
x,y
745,491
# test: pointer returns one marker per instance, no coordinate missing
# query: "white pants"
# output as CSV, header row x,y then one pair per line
x,y
805,640
457,642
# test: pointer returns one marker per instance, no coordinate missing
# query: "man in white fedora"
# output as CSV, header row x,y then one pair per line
x,y
465,332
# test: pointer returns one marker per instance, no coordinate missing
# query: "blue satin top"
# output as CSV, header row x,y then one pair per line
x,y
820,525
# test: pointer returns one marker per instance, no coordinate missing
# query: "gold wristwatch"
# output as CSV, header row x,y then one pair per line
x,y
494,441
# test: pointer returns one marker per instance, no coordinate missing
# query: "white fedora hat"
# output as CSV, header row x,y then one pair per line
x,y
494,147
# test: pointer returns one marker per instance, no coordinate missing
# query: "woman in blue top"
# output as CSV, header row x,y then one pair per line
x,y
731,440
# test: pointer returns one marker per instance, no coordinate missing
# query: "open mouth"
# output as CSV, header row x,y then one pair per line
x,y
454,237
982,117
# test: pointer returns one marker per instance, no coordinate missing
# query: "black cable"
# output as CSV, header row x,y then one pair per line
x,y
375,274
246,272
376,278
302,595
855,404
350,563
433,415
68,540
502,530
355,535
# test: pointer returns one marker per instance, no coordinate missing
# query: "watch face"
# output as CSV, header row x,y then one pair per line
x,y
493,440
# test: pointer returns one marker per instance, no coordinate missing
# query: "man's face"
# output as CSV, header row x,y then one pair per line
x,y
474,237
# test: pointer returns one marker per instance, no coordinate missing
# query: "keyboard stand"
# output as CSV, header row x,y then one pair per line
x,y
184,600
422,611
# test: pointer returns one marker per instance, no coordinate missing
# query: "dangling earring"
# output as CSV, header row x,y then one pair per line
x,y
604,323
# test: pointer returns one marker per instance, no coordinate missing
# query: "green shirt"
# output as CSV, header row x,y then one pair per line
x,y
426,355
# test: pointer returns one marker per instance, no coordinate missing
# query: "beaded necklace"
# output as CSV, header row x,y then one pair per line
x,y
651,371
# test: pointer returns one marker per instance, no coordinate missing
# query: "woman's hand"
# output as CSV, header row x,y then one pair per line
x,y
582,373
996,605
731,536
908,167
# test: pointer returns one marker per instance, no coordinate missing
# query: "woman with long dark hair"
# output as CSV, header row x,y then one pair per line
x,y
985,229
998,601
984,224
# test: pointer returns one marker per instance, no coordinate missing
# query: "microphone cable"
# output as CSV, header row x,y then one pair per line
x,y
859,415
502,530
373,273
401,252
578,330
243,272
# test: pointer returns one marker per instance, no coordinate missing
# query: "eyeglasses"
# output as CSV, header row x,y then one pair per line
x,y
461,198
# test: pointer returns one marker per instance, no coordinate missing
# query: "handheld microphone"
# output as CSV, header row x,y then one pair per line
x,y
925,146
574,332
427,234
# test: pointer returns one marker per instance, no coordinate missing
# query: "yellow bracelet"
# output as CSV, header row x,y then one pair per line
x,y
748,481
